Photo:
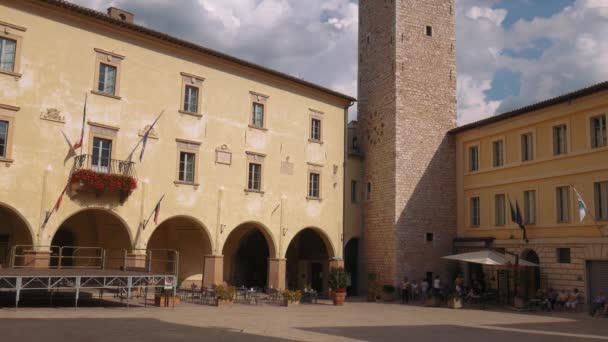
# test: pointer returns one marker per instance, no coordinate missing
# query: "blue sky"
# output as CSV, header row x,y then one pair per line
x,y
510,53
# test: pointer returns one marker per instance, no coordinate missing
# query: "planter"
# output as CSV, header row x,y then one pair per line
x,y
519,303
455,303
166,301
339,297
288,303
388,297
433,302
223,302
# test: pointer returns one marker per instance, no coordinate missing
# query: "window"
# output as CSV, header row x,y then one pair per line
x,y
107,73
315,129
107,79
473,158
562,196
191,99
101,155
254,177
498,153
475,218
499,216
429,31
560,142
369,191
8,54
428,237
527,147
563,255
186,167
3,139
258,115
598,131
353,191
314,180
530,207
191,94
601,200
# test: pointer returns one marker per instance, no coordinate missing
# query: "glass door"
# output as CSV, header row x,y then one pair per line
x,y
102,155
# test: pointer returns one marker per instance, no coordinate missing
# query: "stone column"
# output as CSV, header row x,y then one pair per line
x,y
214,270
136,259
336,262
276,273
34,259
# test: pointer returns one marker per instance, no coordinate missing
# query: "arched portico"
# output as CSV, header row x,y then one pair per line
x,y
308,255
191,239
247,251
14,230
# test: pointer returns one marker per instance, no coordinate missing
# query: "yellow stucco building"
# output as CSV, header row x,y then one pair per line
x,y
538,158
250,161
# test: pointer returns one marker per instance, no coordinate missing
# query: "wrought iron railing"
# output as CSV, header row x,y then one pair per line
x,y
104,165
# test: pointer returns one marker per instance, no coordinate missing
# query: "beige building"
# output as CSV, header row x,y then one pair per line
x,y
250,161
538,158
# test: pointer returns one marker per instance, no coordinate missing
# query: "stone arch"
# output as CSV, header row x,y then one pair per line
x,y
530,280
95,209
191,238
247,250
14,230
308,254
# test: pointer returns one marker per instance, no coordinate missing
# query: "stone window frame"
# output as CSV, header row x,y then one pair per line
x,y
9,113
102,131
558,255
191,81
263,100
536,206
112,59
554,125
254,158
316,169
597,183
532,133
468,148
315,115
556,207
13,32
590,118
470,211
503,161
187,146
504,209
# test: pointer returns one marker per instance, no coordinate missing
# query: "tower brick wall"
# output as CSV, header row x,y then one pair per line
x,y
407,92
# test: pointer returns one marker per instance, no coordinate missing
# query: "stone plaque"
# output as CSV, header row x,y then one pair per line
x,y
223,155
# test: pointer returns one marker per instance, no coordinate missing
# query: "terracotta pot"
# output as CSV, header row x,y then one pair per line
x,y
166,301
223,302
288,303
339,297
455,303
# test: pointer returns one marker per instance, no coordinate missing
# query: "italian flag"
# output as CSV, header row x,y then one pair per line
x,y
582,208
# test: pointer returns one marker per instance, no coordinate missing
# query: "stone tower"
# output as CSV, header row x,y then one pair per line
x,y
407,105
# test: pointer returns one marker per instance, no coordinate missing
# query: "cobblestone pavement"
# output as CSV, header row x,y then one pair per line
x,y
354,321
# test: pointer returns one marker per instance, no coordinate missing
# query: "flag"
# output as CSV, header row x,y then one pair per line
x,y
144,140
60,199
71,151
84,117
517,218
156,212
582,207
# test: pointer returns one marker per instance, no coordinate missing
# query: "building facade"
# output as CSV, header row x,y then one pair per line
x,y
407,105
538,158
249,161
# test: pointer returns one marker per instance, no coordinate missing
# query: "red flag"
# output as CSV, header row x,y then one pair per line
x,y
156,212
84,117
58,204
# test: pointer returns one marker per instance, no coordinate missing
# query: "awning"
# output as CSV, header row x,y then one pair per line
x,y
490,257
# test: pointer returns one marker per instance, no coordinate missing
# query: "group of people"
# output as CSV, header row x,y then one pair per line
x,y
414,290
553,299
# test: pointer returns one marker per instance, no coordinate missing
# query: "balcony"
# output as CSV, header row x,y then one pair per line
x,y
102,175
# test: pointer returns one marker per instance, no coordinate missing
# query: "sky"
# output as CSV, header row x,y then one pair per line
x,y
510,53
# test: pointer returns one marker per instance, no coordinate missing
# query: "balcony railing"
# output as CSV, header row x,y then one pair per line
x,y
104,165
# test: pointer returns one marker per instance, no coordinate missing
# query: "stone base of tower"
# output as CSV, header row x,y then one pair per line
x,y
214,270
276,273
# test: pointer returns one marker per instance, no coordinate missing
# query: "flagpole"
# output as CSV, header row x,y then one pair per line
x,y
152,213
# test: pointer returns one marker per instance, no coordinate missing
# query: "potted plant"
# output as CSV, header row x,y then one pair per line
x,y
388,293
165,299
339,280
433,297
372,286
455,300
224,295
291,297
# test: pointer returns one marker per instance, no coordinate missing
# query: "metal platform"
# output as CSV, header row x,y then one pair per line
x,y
123,279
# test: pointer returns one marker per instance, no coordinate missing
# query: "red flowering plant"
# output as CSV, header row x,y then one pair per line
x,y
104,181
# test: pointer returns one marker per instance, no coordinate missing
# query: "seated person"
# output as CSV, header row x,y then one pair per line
x,y
562,298
573,300
598,303
552,298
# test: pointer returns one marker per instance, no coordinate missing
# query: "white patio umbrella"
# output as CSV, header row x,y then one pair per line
x,y
489,257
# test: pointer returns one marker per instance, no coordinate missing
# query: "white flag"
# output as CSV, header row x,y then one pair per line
x,y
582,208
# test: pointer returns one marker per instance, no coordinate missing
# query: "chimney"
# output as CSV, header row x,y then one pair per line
x,y
122,15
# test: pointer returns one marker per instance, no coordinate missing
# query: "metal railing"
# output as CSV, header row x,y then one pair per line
x,y
104,165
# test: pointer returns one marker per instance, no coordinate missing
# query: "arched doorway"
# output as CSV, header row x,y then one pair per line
x,y
82,234
308,257
351,264
530,276
246,254
14,231
187,236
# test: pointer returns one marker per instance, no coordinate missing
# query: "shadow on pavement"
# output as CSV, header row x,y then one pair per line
x,y
437,333
93,330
